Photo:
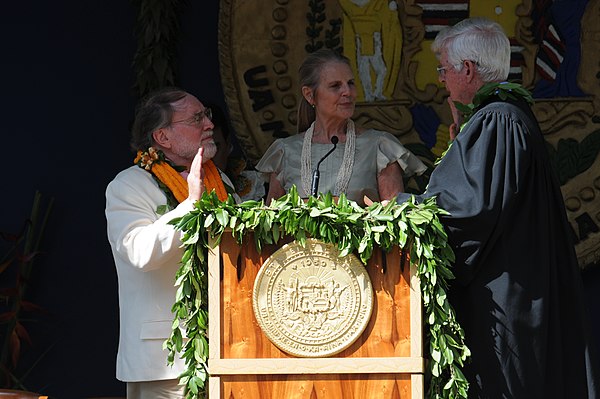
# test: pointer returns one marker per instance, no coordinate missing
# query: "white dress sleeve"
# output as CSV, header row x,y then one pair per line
x,y
390,149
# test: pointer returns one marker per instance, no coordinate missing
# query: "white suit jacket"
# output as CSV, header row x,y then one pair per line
x,y
147,253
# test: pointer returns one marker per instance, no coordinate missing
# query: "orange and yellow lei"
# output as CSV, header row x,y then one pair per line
x,y
154,161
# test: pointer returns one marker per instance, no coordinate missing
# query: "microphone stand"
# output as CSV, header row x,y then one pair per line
x,y
314,188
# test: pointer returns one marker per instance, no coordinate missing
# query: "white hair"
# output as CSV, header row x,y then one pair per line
x,y
479,40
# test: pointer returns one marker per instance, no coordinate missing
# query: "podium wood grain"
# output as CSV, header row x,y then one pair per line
x,y
384,362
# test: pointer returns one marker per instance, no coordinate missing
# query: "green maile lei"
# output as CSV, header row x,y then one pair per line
x,y
503,90
416,227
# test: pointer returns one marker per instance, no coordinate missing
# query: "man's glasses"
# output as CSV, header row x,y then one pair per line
x,y
197,119
441,71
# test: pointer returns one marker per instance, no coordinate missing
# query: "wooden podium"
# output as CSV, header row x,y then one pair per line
x,y
385,362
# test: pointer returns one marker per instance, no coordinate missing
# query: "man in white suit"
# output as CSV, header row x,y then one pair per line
x,y
172,129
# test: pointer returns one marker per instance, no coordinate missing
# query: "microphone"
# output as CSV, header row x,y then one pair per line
x,y
314,188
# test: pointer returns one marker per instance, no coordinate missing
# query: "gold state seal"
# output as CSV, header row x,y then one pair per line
x,y
310,302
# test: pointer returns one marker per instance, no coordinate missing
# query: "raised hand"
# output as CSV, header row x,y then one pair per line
x,y
194,179
454,127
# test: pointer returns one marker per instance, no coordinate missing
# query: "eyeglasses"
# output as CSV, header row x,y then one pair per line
x,y
198,118
441,71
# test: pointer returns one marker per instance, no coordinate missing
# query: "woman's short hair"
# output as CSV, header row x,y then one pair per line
x,y
309,75
479,40
153,112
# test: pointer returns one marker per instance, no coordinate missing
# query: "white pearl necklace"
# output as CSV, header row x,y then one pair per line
x,y
343,178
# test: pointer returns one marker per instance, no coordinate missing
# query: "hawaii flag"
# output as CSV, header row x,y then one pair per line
x,y
516,61
551,52
437,14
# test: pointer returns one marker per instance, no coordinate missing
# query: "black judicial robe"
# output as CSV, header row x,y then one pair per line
x,y
518,292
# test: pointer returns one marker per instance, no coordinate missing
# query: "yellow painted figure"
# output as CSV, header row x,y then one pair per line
x,y
373,42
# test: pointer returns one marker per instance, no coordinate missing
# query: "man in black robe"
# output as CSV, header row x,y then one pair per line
x,y
518,292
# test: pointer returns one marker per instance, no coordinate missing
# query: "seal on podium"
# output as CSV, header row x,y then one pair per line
x,y
309,301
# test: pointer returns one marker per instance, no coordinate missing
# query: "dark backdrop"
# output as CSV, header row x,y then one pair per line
x,y
66,107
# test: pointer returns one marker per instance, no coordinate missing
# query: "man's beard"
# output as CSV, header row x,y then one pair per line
x,y
210,150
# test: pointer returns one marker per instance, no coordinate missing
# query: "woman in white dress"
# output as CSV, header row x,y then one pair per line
x,y
366,162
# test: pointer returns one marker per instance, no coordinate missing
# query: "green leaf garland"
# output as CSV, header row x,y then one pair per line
x,y
353,229
503,90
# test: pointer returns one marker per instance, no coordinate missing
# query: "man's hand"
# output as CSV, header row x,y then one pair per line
x,y
194,179
368,201
456,117
453,130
